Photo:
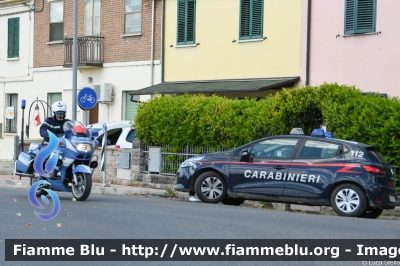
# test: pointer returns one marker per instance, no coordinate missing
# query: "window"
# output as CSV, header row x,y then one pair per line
x,y
52,98
360,16
133,16
112,136
11,113
318,150
131,107
251,19
274,148
13,38
131,135
186,21
92,20
56,21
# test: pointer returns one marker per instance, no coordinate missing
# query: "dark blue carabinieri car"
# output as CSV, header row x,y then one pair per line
x,y
353,178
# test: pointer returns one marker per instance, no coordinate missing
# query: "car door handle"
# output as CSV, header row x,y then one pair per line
x,y
279,167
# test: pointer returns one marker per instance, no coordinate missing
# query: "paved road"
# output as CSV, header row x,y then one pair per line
x,y
118,217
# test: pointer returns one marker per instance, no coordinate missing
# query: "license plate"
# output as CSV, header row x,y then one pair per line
x,y
392,198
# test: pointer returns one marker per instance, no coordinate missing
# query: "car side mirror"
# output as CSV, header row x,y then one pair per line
x,y
244,155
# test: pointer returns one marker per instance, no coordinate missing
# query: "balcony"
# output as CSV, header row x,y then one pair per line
x,y
90,52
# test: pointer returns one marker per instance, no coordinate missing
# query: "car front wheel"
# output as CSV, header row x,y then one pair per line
x,y
210,187
348,200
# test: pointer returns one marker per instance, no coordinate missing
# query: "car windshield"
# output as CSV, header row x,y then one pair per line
x,y
76,128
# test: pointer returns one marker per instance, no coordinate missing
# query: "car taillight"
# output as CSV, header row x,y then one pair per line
x,y
373,169
117,146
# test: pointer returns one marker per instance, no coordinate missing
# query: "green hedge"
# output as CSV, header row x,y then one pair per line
x,y
218,121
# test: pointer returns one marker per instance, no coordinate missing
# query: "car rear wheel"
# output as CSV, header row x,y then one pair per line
x,y
210,187
371,213
232,201
348,200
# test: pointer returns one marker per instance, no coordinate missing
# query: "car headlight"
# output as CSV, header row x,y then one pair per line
x,y
84,147
191,161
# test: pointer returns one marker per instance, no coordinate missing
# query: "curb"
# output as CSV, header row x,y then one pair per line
x,y
98,188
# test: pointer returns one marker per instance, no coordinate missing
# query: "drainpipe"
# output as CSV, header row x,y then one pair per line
x,y
152,43
162,40
308,44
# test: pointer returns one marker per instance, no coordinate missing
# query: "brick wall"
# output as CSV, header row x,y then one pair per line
x,y
116,48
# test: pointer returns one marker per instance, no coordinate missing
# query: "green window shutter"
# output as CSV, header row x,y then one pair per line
x,y
244,19
131,107
10,37
251,19
349,17
186,21
13,38
53,97
360,16
190,21
181,21
366,16
256,21
16,38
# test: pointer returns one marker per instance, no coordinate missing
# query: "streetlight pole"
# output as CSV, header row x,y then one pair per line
x,y
74,60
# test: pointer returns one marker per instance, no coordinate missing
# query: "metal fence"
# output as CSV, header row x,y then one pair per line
x,y
171,157
90,50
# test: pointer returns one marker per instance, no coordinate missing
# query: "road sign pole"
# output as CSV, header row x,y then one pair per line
x,y
104,156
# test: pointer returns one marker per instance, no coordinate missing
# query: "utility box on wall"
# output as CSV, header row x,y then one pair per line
x,y
124,160
104,92
154,159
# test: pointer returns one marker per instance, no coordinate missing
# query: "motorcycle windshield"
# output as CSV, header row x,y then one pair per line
x,y
76,128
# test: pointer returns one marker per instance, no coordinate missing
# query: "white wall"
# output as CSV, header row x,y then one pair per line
x,y
16,70
123,76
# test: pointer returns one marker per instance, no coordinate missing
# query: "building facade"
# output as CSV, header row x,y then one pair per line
x,y
119,47
16,62
233,48
353,42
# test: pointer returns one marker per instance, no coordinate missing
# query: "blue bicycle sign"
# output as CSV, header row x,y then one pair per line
x,y
87,98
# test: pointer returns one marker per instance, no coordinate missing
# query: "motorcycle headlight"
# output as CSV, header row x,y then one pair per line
x,y
84,147
191,161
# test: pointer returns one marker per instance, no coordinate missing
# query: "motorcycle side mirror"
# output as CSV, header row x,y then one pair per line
x,y
67,133
95,135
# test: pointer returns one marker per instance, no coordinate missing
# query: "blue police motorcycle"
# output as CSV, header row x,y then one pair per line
x,y
66,163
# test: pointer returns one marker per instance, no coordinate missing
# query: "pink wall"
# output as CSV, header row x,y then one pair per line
x,y
370,62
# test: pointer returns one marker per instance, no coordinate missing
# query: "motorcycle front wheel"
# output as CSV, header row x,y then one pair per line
x,y
82,188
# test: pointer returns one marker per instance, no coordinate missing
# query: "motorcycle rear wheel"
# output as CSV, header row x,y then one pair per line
x,y
81,190
40,191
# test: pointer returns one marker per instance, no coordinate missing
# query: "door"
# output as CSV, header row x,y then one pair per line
x,y
94,114
313,168
266,170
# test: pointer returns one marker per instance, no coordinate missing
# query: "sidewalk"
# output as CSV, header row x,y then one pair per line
x,y
7,179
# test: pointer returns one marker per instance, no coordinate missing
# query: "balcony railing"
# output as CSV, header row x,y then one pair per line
x,y
90,52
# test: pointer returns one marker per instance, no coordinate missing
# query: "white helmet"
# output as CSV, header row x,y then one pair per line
x,y
59,107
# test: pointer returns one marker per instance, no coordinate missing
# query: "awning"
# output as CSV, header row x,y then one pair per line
x,y
214,86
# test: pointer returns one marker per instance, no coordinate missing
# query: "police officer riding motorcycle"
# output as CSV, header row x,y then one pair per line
x,y
54,124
